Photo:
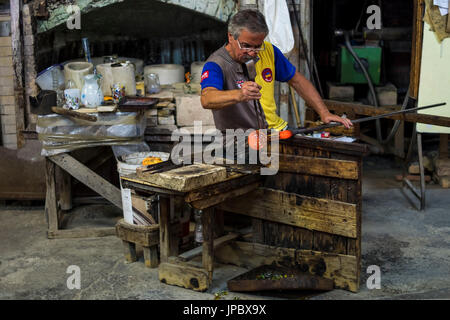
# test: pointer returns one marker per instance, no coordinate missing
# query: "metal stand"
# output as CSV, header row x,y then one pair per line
x,y
421,196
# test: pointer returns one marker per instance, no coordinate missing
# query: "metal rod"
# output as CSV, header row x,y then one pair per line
x,y
422,172
337,124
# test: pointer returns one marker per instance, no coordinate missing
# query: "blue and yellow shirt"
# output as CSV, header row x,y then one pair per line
x,y
223,73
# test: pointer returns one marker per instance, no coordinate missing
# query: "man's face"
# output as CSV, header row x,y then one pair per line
x,y
245,40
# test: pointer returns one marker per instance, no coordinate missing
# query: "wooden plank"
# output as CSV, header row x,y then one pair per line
x,y
5,41
281,278
257,230
89,178
150,256
189,255
318,166
447,29
81,233
51,206
311,213
214,200
164,238
443,146
65,189
184,276
208,242
174,227
291,183
340,268
330,243
134,183
411,177
222,187
186,178
129,249
416,52
323,241
354,195
252,255
146,236
353,148
366,110
399,141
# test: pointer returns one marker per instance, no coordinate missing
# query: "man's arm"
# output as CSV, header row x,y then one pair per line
x,y
307,91
213,98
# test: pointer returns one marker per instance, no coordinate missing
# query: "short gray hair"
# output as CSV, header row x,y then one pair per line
x,y
252,20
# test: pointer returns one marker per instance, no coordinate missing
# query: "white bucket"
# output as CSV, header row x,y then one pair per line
x,y
129,163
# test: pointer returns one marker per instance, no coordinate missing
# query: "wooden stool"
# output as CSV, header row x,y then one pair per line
x,y
146,236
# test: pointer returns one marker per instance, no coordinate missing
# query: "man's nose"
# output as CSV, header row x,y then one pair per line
x,y
253,53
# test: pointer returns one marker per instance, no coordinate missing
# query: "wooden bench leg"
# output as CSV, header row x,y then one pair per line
x,y
208,241
164,232
65,191
151,256
130,251
51,206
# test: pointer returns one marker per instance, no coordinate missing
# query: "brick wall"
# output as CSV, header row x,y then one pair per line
x,y
8,116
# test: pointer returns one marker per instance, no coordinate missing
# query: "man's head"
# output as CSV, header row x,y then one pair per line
x,y
247,30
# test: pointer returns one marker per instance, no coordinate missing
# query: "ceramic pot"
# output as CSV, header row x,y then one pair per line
x,y
76,71
168,73
117,74
91,94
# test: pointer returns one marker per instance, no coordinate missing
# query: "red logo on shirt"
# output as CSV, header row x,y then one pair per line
x,y
267,75
205,75
239,83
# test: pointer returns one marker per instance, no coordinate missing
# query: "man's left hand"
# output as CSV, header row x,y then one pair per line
x,y
334,118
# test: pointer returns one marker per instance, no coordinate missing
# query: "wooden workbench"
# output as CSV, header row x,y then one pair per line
x,y
203,187
307,216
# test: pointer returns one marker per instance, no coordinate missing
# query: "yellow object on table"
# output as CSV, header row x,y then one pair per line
x,y
151,160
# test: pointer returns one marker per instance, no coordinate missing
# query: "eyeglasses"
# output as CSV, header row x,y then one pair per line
x,y
250,48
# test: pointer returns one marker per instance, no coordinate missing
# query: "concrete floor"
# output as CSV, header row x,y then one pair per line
x,y
412,248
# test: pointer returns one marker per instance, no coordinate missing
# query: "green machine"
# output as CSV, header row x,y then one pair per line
x,y
349,70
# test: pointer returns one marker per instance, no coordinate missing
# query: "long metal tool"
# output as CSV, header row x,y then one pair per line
x,y
256,137
337,124
250,70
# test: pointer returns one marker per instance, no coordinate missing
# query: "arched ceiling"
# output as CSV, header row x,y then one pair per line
x,y
219,10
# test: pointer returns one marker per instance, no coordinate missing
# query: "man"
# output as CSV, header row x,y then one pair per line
x,y
230,95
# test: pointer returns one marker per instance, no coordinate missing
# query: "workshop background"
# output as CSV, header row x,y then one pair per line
x,y
175,37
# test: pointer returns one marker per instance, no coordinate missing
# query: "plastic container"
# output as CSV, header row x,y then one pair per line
x,y
45,78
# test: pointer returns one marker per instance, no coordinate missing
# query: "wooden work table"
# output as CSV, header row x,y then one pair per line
x,y
203,187
307,216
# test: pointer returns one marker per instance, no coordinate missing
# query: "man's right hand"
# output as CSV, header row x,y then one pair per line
x,y
250,91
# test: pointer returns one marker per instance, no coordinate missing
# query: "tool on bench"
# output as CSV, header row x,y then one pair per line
x,y
74,114
158,167
256,138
